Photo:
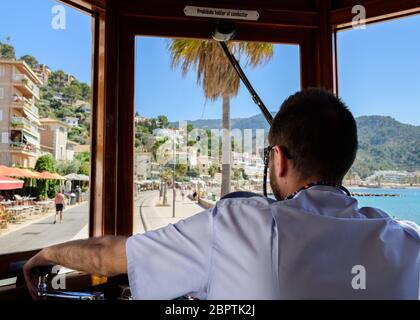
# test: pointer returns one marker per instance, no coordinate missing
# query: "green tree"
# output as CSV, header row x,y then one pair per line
x,y
213,169
84,168
57,80
79,135
217,77
237,173
193,172
156,146
83,156
72,93
85,91
137,143
67,167
163,121
180,170
30,60
46,188
7,51
165,177
190,127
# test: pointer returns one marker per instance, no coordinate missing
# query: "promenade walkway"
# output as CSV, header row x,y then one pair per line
x,y
41,233
150,216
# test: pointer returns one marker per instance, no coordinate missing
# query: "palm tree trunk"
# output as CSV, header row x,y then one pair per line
x,y
226,146
165,199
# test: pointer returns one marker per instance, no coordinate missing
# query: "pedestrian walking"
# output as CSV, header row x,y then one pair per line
x,y
60,202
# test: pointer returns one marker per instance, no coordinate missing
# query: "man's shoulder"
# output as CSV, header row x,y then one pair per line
x,y
250,206
411,228
242,198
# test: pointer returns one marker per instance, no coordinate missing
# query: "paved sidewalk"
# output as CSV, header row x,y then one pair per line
x,y
152,216
43,232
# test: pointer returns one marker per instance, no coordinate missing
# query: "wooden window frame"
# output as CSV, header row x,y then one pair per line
x,y
115,26
310,24
97,13
132,24
376,12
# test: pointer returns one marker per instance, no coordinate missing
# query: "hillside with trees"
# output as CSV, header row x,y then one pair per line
x,y
59,98
62,96
384,143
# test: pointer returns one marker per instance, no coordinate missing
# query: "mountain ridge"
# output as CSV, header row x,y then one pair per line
x,y
384,143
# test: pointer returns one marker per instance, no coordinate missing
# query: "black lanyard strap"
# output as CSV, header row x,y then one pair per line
x,y
319,183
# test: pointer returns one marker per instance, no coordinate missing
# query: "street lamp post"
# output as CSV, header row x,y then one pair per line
x,y
173,177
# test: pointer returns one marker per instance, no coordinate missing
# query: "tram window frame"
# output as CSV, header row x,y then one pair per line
x,y
342,21
114,33
97,110
139,26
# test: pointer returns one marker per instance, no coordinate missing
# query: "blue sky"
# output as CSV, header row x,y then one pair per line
x,y
28,23
182,99
379,67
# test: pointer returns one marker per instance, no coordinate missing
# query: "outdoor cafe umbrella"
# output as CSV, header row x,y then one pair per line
x,y
50,176
18,173
7,183
11,172
76,177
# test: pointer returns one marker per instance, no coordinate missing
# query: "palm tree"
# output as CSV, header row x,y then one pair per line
x,y
165,177
218,78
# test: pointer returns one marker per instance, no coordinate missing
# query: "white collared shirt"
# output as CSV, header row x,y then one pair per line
x,y
318,245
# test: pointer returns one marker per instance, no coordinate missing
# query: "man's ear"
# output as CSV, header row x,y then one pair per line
x,y
280,161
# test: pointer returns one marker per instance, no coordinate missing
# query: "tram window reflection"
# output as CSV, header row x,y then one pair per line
x,y
178,120
378,77
45,76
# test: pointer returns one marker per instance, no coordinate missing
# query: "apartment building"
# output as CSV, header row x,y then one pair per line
x,y
54,138
143,165
43,72
19,119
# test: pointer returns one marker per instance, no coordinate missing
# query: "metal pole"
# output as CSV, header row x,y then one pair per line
x,y
235,64
173,179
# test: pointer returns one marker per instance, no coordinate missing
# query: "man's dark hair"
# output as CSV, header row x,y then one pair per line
x,y
319,132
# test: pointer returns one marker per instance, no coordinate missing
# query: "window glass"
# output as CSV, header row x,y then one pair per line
x,y
179,143
378,73
46,52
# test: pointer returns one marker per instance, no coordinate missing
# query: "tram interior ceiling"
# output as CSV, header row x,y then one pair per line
x,y
310,24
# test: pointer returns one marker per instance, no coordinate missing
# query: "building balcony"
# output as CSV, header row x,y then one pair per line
x,y
26,86
20,123
23,148
20,102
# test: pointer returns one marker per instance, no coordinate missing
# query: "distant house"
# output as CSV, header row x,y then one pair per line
x,y
54,137
72,121
71,145
87,109
79,103
204,164
390,176
46,150
69,79
43,72
58,96
143,165
139,119
81,148
82,104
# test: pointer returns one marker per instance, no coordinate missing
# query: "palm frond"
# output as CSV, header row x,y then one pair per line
x,y
214,72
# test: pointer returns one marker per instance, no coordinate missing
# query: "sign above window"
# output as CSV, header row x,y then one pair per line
x,y
218,13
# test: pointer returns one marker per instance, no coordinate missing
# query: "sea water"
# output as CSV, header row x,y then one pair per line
x,y
404,207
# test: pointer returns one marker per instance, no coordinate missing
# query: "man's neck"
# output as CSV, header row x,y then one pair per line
x,y
297,184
